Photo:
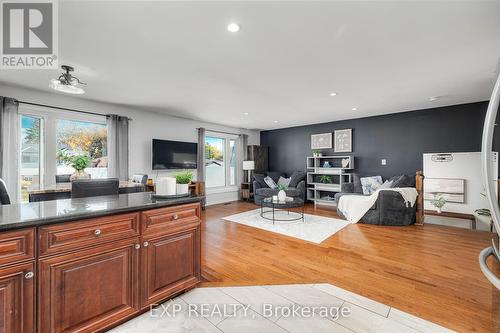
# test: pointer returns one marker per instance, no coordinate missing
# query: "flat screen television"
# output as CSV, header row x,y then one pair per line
x,y
174,155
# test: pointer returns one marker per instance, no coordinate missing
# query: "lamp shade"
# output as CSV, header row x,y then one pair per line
x,y
248,165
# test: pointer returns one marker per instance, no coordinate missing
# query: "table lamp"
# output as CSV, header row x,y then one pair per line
x,y
249,166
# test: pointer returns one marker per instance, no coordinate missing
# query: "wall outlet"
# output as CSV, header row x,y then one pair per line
x,y
384,161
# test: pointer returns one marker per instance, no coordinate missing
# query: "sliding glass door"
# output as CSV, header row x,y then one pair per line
x,y
30,160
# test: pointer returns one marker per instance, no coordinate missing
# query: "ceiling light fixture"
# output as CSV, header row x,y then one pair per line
x,y
434,98
333,94
233,27
245,113
275,121
354,109
67,83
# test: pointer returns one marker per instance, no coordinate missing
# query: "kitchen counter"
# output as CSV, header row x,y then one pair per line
x,y
48,212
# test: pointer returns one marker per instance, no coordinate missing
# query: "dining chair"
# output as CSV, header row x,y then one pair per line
x,y
83,188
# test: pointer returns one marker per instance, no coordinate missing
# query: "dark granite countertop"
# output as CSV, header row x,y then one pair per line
x,y
48,212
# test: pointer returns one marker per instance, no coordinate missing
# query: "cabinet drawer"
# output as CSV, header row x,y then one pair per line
x,y
17,245
158,221
85,233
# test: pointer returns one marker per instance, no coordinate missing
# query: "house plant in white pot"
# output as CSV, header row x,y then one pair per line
x,y
282,194
438,202
77,162
183,179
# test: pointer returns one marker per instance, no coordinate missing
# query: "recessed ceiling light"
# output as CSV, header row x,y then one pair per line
x,y
434,98
275,121
233,27
354,109
245,113
333,94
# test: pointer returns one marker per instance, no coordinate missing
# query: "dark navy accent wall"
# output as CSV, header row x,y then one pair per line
x,y
400,138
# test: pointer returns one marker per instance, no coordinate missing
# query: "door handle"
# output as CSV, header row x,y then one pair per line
x,y
145,244
137,246
97,232
29,275
175,216
483,256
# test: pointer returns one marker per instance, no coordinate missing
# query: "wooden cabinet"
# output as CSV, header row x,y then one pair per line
x,y
17,305
88,290
169,264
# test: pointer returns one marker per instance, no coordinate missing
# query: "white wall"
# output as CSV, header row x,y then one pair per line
x,y
145,126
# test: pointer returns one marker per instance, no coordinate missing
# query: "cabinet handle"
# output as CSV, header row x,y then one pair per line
x,y
97,232
145,244
29,275
175,217
137,246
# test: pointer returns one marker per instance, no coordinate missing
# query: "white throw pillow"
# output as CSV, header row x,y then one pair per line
x,y
270,182
370,184
386,184
284,181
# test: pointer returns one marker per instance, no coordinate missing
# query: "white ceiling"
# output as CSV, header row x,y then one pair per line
x,y
178,58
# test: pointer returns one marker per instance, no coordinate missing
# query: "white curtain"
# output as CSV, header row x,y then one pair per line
x,y
9,146
118,159
242,156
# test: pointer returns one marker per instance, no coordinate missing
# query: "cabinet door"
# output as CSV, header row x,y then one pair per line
x,y
170,264
88,290
17,304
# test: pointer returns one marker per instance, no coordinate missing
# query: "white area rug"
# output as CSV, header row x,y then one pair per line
x,y
314,229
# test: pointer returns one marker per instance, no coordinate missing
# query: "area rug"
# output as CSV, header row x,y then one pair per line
x,y
314,229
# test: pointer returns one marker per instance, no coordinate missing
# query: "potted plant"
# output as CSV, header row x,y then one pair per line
x,y
438,202
325,179
282,194
316,153
183,179
78,162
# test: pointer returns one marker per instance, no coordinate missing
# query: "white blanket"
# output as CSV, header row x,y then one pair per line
x,y
354,207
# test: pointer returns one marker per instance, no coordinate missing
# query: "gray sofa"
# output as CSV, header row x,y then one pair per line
x,y
261,190
390,207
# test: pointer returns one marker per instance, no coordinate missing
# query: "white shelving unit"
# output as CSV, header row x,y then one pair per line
x,y
322,191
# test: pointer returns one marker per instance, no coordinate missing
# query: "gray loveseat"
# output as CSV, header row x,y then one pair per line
x,y
261,190
390,207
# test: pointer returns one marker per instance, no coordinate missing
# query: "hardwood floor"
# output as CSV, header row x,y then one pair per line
x,y
430,271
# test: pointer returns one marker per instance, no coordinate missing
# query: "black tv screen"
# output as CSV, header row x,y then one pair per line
x,y
174,155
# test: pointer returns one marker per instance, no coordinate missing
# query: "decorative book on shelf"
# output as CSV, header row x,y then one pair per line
x,y
325,176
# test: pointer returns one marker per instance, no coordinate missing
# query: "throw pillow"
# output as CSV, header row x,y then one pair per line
x,y
275,175
370,184
357,183
296,178
259,178
386,184
400,181
270,182
284,181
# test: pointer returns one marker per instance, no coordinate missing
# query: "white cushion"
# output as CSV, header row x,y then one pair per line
x,y
284,181
270,182
370,184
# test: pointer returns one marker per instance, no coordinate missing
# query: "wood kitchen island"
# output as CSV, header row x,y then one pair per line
x,y
86,265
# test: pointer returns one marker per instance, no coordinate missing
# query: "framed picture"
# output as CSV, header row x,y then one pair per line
x,y
321,141
343,141
453,190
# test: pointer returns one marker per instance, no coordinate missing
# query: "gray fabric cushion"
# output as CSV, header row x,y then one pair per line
x,y
275,175
357,184
259,178
269,192
297,177
400,181
270,182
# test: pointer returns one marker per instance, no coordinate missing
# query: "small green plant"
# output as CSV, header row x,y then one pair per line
x,y
78,162
184,177
316,152
438,202
282,187
325,179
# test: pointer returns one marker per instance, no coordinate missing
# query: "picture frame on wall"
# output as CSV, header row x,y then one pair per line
x,y
343,141
321,141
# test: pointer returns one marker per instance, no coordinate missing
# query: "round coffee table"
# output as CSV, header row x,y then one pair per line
x,y
290,202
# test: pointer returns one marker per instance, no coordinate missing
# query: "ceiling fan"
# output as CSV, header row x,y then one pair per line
x,y
67,83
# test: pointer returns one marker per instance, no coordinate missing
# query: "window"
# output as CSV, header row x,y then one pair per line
x,y
30,161
220,161
47,135
82,138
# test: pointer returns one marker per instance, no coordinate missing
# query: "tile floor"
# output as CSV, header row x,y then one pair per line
x,y
266,309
